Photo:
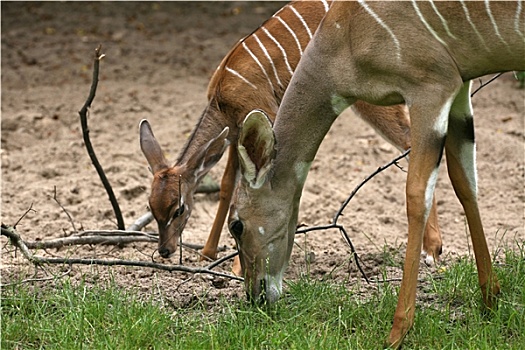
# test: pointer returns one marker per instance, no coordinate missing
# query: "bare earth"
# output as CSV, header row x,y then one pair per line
x,y
160,57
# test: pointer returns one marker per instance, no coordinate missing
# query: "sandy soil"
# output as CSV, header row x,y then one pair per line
x,y
159,59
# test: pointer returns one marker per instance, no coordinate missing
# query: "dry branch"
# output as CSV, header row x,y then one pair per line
x,y
335,225
150,237
17,241
64,209
75,240
141,222
91,152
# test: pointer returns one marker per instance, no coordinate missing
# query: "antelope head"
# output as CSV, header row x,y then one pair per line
x,y
173,187
264,233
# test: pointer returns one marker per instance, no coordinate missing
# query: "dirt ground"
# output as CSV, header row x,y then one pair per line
x,y
159,58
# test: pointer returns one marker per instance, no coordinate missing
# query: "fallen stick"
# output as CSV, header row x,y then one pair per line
x,y
141,222
17,241
154,236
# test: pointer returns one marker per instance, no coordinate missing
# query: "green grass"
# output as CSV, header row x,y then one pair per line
x,y
312,315
521,79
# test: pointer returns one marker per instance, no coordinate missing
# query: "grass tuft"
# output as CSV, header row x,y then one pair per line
x,y
313,314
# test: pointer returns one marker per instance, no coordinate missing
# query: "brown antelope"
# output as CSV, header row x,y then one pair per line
x,y
254,74
420,53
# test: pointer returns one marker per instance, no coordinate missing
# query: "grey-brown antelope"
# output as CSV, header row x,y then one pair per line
x,y
254,74
421,53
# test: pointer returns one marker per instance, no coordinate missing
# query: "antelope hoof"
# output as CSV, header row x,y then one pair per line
x,y
208,256
395,339
429,258
490,292
431,255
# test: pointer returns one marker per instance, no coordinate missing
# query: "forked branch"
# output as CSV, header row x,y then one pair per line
x,y
91,152
335,225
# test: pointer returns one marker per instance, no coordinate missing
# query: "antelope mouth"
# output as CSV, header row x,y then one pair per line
x,y
166,253
265,292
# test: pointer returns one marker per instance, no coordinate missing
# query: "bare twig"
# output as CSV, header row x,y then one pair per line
x,y
64,209
85,133
223,259
112,237
354,192
335,225
75,240
38,260
153,235
24,215
482,84
112,233
15,239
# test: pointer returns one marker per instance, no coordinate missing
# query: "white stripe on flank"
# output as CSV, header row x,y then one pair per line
x,y
494,24
290,70
326,6
430,29
302,21
293,35
467,15
382,24
237,74
258,63
263,48
443,20
517,19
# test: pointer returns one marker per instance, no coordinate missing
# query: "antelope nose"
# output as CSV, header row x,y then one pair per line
x,y
164,252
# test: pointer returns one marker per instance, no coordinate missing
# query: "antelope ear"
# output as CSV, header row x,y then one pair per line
x,y
210,154
151,148
256,148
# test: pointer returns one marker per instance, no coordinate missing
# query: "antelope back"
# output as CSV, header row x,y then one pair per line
x,y
257,71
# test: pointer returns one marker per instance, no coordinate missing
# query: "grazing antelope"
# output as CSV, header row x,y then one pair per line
x,y
420,53
254,74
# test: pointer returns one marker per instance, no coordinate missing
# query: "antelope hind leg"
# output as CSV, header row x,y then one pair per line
x,y
460,148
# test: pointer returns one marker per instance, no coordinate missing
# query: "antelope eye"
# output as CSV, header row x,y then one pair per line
x,y
178,212
236,228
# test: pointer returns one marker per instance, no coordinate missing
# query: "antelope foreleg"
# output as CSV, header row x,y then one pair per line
x,y
227,185
428,138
